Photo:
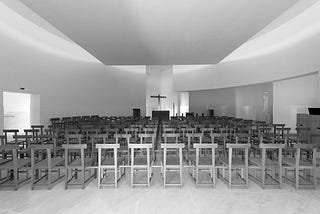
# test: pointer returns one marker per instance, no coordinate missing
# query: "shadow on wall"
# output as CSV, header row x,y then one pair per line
x,y
249,102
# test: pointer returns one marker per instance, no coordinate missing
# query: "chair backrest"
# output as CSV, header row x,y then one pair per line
x,y
38,127
238,146
169,130
207,131
98,137
122,136
35,148
145,138
173,136
7,148
214,136
243,137
74,138
194,138
2,140
7,132
149,130
132,131
172,146
107,146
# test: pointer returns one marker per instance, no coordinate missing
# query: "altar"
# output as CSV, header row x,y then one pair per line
x,y
160,115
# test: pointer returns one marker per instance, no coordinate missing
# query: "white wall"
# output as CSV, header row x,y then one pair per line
x,y
254,102
69,87
243,102
295,60
294,96
159,80
222,100
16,111
35,109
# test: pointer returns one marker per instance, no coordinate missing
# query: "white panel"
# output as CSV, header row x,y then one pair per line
x,y
16,111
294,96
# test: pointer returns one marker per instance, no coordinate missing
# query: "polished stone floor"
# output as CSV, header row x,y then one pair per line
x,y
156,199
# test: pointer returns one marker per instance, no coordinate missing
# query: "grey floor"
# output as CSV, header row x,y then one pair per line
x,y
156,199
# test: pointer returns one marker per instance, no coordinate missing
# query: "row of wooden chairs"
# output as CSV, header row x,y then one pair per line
x,y
235,168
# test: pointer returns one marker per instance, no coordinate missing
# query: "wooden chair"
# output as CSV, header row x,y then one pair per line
x,y
40,162
77,164
149,130
204,162
134,134
171,137
141,161
149,138
192,139
10,162
236,163
272,163
108,163
172,162
305,162
7,133
169,130
38,127
123,140
2,140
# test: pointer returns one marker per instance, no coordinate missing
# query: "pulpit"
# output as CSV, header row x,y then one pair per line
x,y
160,115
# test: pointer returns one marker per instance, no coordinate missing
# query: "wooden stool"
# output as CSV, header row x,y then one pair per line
x,y
236,163
299,163
109,163
204,162
77,164
141,162
263,163
49,164
11,162
172,163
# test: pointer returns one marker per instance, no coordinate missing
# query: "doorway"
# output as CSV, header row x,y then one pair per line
x,y
20,111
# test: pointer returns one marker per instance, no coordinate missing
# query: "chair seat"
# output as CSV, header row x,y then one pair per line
x,y
269,162
206,140
9,164
202,160
44,163
77,162
141,160
108,161
172,160
236,162
292,161
3,161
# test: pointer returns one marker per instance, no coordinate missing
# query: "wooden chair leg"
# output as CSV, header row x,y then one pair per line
x,y
197,176
164,177
83,178
15,179
66,179
263,172
49,179
297,177
32,178
99,177
132,174
181,176
115,177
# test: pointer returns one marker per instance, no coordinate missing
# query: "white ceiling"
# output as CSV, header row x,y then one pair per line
x,y
159,32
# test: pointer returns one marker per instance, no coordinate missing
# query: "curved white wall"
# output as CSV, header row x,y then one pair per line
x,y
300,59
68,86
286,51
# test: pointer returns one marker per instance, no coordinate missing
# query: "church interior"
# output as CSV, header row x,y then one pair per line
x,y
171,106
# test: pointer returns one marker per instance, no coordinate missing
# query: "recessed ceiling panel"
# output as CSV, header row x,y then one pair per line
x,y
159,32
